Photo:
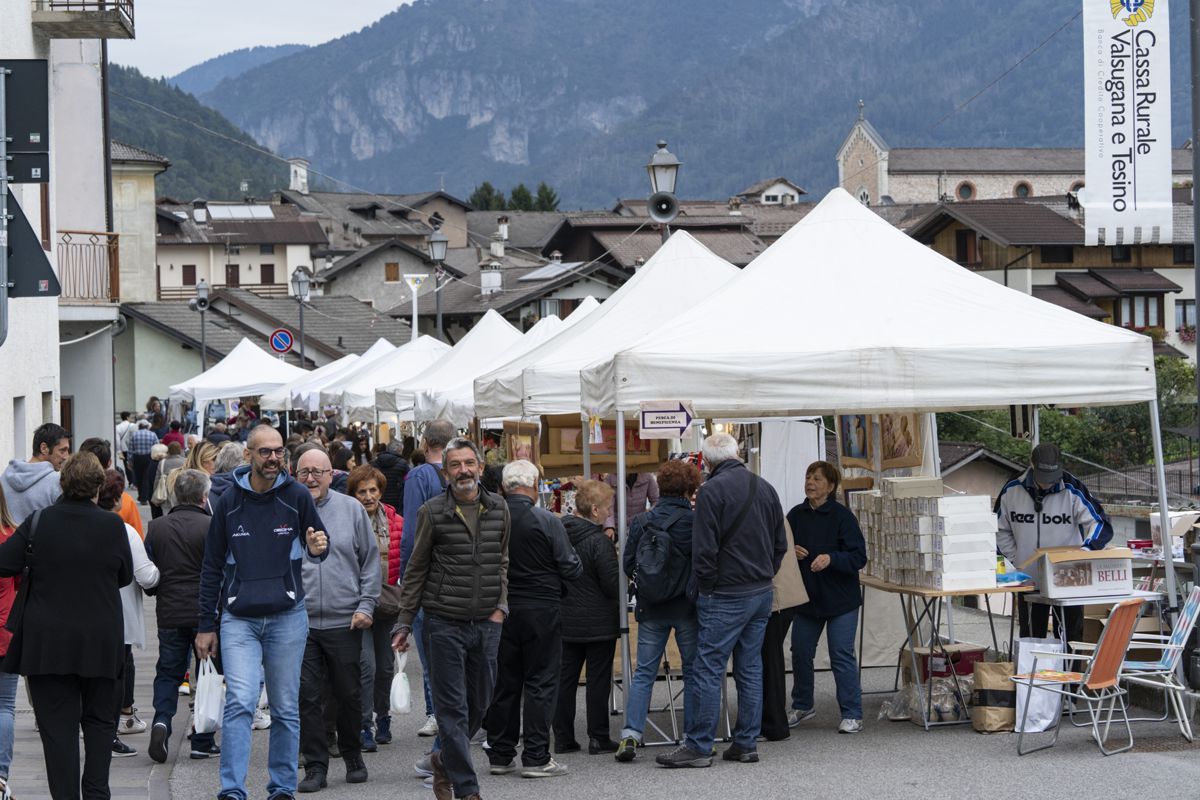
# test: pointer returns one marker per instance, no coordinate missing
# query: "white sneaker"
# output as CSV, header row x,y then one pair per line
x,y
423,768
480,738
185,688
850,726
551,769
5,792
429,782
798,715
131,723
429,728
262,719
504,769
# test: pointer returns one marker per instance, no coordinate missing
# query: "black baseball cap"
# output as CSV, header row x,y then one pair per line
x,y
1047,464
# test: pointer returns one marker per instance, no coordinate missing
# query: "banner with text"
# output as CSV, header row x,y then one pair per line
x,y
1127,121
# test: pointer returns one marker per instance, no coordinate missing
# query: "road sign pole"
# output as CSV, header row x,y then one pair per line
x,y
3,211
302,332
203,344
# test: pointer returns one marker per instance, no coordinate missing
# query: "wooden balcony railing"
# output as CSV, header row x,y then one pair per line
x,y
89,266
84,19
188,292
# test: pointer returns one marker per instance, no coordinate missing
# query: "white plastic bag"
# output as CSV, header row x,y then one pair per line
x,y
401,700
1044,706
210,698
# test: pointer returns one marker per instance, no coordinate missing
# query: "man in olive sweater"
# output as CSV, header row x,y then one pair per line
x,y
458,574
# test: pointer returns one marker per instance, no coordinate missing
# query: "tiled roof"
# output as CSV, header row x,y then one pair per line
x,y
737,247
763,185
1014,160
1061,297
120,151
528,230
1135,280
181,323
770,221
594,219
1086,286
1006,222
391,215
177,226
354,259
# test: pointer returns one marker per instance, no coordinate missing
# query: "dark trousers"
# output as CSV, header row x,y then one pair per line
x,y
378,665
174,656
599,659
144,475
775,693
462,676
528,663
62,704
124,698
1034,620
330,658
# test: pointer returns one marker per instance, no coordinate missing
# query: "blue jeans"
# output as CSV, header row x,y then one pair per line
x,y
839,635
417,633
8,708
651,643
174,656
253,648
728,625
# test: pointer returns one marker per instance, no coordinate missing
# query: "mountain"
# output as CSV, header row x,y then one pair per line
x,y
576,92
203,77
207,165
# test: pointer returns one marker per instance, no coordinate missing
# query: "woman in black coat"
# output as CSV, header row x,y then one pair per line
x,y
69,641
590,631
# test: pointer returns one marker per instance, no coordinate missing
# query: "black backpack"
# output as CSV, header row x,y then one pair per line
x,y
660,569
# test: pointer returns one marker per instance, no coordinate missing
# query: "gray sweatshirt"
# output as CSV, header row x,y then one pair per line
x,y
348,579
29,486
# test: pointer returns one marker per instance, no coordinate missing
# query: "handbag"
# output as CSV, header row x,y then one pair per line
x,y
788,586
12,659
388,604
401,695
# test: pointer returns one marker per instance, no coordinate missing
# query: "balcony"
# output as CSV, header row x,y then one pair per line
x,y
84,19
89,267
188,292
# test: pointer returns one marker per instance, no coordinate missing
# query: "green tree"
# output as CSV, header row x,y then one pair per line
x,y
520,198
487,198
547,198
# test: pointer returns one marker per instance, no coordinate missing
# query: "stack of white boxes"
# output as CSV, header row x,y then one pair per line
x,y
917,537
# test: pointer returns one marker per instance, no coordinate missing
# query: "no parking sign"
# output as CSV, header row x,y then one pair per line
x,y
281,340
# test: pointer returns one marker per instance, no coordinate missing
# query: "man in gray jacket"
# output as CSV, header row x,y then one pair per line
x,y
33,484
340,594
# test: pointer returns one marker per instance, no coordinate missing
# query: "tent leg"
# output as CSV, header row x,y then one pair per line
x,y
622,585
1035,434
1164,511
587,448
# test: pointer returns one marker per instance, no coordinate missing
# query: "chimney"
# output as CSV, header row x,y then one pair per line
x,y
735,206
498,239
490,278
298,171
200,211
556,257
502,222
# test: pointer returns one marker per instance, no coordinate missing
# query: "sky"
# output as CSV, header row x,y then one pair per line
x,y
172,36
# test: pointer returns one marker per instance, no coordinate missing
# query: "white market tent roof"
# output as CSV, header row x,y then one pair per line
x,y
847,313
457,403
281,398
482,346
546,380
355,391
307,394
248,371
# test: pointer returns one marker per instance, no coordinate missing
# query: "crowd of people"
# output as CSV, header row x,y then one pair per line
x,y
299,564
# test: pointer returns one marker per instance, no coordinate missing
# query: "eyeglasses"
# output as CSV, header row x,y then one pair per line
x,y
267,452
305,474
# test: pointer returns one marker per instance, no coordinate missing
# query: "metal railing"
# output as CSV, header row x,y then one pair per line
x,y
188,292
89,266
124,7
1140,486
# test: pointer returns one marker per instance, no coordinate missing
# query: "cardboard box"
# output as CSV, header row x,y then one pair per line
x,y
967,543
1075,572
953,504
963,581
912,487
1181,523
964,562
962,659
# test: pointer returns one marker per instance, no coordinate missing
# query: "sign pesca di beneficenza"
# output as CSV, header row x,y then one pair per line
x,y
1127,105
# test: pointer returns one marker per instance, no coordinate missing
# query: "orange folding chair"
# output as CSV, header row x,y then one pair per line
x,y
1098,686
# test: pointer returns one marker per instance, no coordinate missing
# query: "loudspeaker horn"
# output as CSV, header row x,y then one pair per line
x,y
663,207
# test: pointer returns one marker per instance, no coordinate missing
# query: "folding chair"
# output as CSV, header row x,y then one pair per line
x,y
1099,687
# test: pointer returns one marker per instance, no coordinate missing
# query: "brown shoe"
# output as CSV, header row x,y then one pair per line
x,y
442,788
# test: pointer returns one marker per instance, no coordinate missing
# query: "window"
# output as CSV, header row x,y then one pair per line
x,y
391,272
266,274
1185,254
189,274
965,191
1058,254
234,250
966,247
770,198
1022,190
864,197
1141,311
436,220
266,249
1121,253
233,275
1185,314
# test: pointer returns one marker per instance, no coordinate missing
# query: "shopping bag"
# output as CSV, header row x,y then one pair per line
x,y
1044,707
994,707
209,698
401,700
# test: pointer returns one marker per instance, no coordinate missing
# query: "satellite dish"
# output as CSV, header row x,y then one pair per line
x,y
663,207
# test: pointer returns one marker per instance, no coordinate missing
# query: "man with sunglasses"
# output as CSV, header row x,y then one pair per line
x,y
263,528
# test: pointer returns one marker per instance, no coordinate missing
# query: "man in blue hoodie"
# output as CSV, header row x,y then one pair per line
x,y
33,484
262,529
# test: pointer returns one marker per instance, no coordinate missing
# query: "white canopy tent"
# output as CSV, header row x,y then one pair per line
x,y
307,394
546,380
355,391
281,398
248,371
487,341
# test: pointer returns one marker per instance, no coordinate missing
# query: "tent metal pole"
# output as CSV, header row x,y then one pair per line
x,y
1164,511
1035,432
587,448
622,585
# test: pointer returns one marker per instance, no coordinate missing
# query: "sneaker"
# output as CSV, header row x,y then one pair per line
x,y
627,750
5,792
383,730
480,738
131,723
423,768
368,740
122,750
850,726
314,780
356,770
798,715
428,782
551,769
684,756
262,719
429,728
504,769
202,751
158,743
736,752
185,688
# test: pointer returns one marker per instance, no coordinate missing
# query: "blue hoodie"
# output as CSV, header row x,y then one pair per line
x,y
255,549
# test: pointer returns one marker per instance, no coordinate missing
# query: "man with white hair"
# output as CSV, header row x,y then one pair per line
x,y
738,543
540,561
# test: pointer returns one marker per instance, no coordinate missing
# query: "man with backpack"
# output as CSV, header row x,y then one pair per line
x,y
658,557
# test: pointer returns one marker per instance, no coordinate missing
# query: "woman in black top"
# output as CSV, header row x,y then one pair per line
x,y
831,550
69,642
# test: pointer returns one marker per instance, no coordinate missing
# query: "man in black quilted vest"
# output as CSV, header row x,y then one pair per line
x,y
458,574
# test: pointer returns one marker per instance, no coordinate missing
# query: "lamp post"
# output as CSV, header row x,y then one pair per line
x,y
200,303
414,281
663,170
300,284
437,253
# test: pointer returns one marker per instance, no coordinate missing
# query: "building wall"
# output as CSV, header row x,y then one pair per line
x,y
979,477
454,224
87,380
134,220
366,281
861,168
148,363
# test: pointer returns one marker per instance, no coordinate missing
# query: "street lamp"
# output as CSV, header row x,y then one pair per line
x,y
200,303
300,284
414,281
663,170
437,253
